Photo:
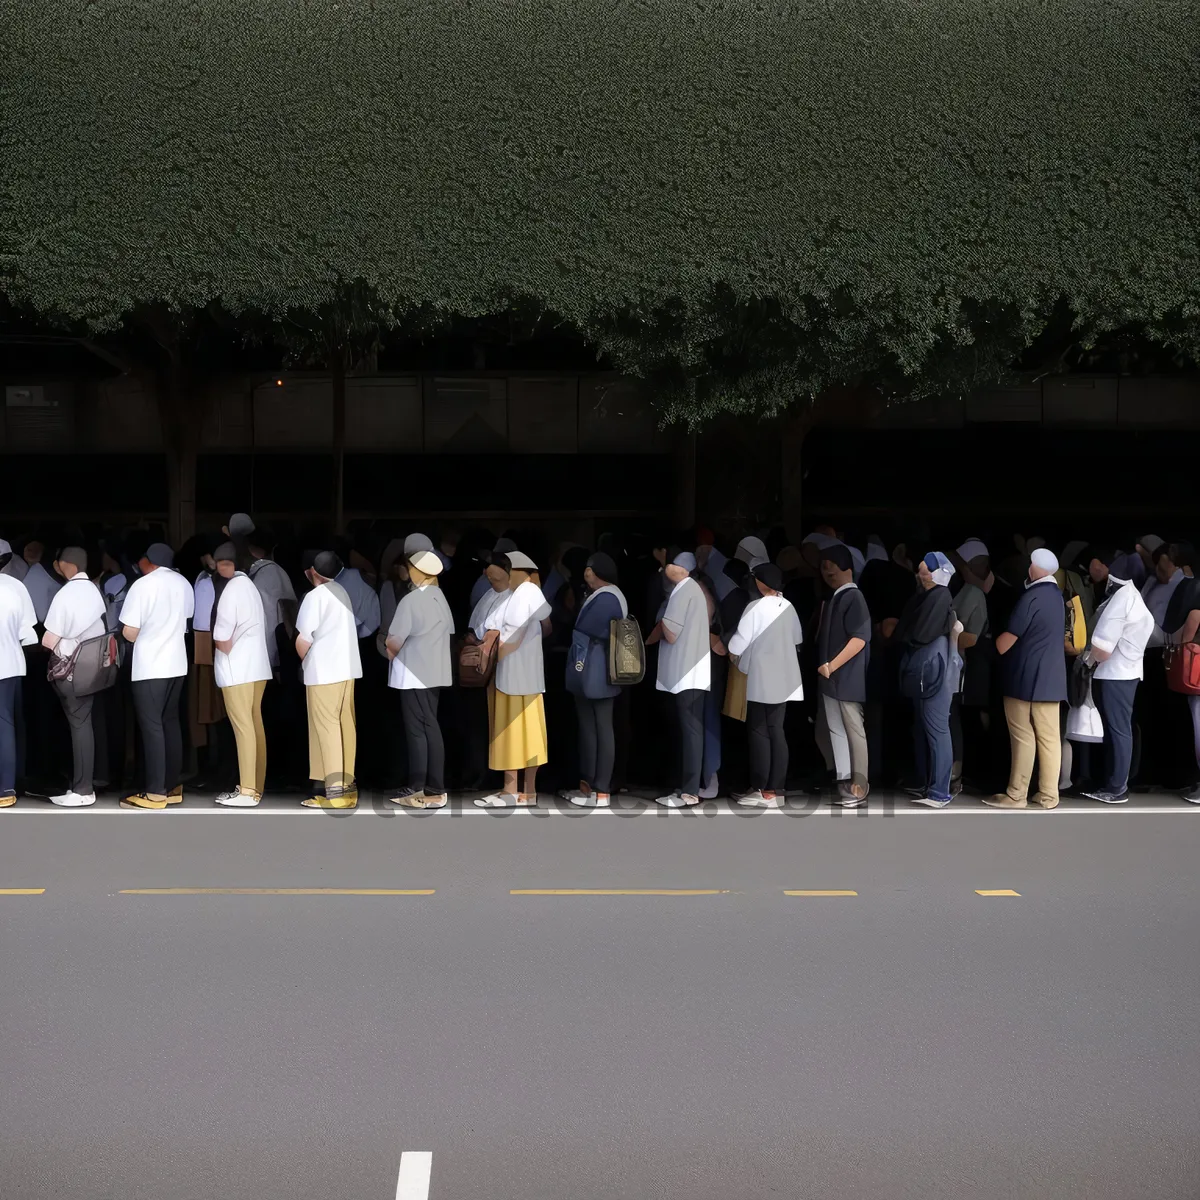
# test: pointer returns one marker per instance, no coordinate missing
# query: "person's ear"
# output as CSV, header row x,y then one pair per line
x,y
225,530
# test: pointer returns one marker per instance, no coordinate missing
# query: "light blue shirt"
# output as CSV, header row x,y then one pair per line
x,y
363,600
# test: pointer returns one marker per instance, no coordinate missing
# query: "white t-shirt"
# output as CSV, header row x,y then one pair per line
x,y
483,608
17,620
685,665
1123,627
519,620
76,614
423,623
274,587
159,605
204,591
240,618
326,619
765,647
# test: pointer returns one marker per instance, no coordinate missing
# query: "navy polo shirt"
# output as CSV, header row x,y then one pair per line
x,y
1036,666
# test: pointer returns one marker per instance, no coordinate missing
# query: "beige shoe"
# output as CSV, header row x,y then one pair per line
x,y
1004,800
7,801
141,800
175,795
1045,801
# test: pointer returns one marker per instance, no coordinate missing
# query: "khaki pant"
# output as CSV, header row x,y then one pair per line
x,y
332,741
243,704
1033,728
842,739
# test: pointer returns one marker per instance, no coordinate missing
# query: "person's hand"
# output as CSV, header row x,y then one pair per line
x,y
888,626
823,671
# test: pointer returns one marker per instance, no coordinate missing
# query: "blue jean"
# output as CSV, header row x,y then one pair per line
x,y
10,691
1114,699
711,762
932,746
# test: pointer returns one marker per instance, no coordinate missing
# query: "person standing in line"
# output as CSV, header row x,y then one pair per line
x,y
927,677
766,643
477,708
1122,630
1035,685
1186,608
327,643
41,584
685,671
241,668
76,614
844,654
17,621
587,680
418,645
154,618
517,626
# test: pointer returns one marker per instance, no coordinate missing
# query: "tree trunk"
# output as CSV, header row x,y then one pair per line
x,y
792,474
338,366
181,442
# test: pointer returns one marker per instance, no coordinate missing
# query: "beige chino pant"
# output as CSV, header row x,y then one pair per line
x,y
243,706
1033,730
332,739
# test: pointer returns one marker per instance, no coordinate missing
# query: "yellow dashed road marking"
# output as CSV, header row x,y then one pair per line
x,y
183,891
22,891
820,893
997,892
619,892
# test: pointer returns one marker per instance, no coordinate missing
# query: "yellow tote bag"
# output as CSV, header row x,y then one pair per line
x,y
735,694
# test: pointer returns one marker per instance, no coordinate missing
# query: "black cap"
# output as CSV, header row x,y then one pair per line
x,y
603,565
225,552
327,564
770,575
839,555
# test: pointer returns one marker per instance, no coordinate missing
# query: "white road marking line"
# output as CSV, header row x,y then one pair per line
x,y
415,1166
548,810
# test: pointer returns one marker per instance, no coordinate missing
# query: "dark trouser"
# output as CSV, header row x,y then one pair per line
x,y
597,743
78,711
156,702
689,722
768,746
932,747
10,694
1114,698
423,735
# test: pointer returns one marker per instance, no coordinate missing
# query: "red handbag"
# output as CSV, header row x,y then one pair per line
x,y
1183,668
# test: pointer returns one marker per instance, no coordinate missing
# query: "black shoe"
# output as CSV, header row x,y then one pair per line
x,y
1109,797
1193,797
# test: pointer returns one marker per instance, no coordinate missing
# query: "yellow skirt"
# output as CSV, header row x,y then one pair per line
x,y
517,731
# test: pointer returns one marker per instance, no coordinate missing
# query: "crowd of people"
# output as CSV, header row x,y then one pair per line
x,y
488,664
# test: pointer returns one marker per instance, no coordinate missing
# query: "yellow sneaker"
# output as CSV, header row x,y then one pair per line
x,y
141,800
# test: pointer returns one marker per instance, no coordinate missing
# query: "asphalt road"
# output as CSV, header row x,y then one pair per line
x,y
915,1040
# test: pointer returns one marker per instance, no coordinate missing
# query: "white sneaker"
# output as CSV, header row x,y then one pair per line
x,y
572,794
503,800
757,800
590,800
237,799
675,800
436,800
73,800
713,787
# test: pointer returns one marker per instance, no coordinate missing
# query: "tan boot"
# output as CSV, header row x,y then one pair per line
x,y
1004,800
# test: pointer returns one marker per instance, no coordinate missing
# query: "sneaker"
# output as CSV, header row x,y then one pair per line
x,y
141,800
409,797
676,800
1193,797
436,799
175,795
73,800
847,799
572,793
711,790
591,799
7,801
1004,800
759,800
929,802
237,799
1109,797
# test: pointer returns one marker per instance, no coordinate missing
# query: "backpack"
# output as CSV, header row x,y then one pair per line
x,y
626,652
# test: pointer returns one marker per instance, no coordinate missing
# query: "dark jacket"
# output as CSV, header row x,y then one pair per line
x,y
1035,668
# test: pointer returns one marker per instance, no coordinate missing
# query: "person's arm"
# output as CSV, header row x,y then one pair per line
x,y
224,627
1187,632
130,632
967,640
1004,643
399,629
307,620
1018,623
655,635
1103,642
303,646
50,640
853,647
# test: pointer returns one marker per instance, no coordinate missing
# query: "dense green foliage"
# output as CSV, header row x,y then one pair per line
x,y
742,199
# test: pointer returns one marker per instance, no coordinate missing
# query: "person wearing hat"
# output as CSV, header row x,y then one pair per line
x,y
17,621
1122,630
154,618
76,615
517,723
206,712
327,643
587,680
1035,685
241,668
418,645
927,677
843,655
685,670
483,585
765,646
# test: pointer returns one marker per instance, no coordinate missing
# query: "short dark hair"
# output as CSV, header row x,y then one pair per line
x,y
839,555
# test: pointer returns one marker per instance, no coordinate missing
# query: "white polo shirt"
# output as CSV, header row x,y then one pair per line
x,y
159,605
685,664
1123,627
326,619
519,619
765,646
240,619
423,624
76,614
17,620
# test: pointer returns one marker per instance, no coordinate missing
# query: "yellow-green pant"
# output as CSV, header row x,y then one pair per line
x,y
332,741
243,705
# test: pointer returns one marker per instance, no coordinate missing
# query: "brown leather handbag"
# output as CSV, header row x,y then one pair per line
x,y
476,663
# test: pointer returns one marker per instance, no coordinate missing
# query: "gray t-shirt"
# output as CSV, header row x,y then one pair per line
x,y
684,665
845,616
970,606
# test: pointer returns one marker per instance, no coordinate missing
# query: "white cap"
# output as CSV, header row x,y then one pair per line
x,y
426,561
415,542
751,550
972,548
1044,559
520,561
687,560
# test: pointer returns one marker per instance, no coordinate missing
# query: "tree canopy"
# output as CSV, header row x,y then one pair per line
x,y
744,200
